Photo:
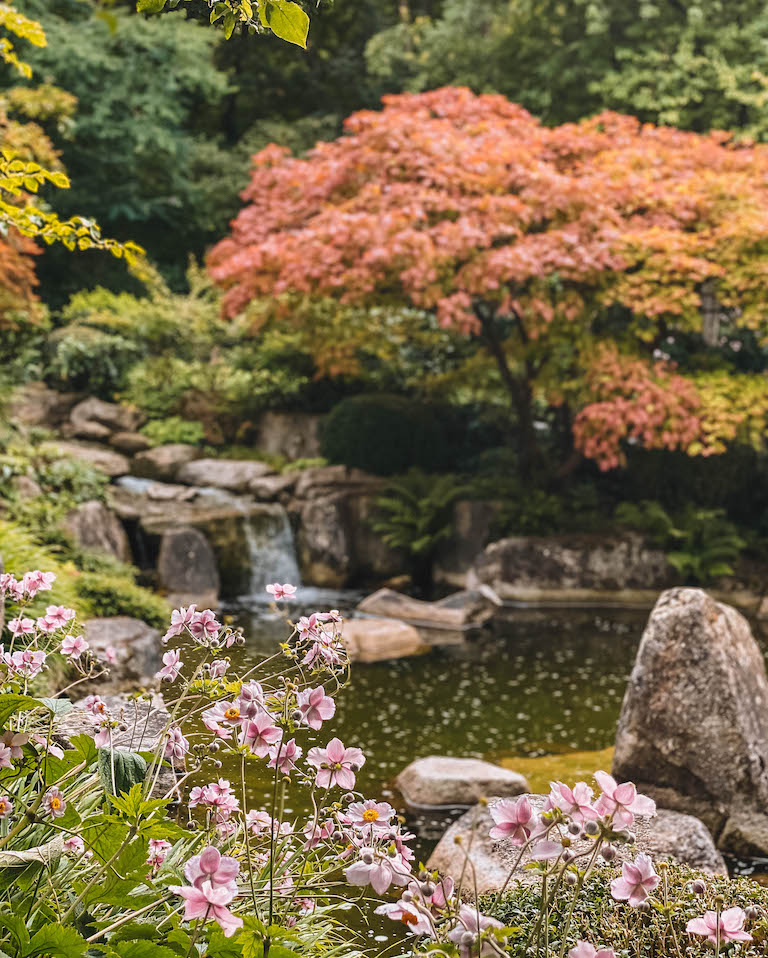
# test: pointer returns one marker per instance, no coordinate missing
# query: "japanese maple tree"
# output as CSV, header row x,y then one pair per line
x,y
572,253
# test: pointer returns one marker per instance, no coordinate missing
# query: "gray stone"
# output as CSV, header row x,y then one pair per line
x,y
112,416
34,404
462,611
138,649
162,462
693,730
233,474
295,435
529,568
25,487
129,442
470,534
327,480
268,488
93,431
186,568
668,836
377,640
94,526
111,463
441,781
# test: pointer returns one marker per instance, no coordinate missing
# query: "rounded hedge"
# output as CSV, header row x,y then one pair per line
x,y
386,435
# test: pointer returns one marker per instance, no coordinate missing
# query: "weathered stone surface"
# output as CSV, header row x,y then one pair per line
x,y
470,534
93,431
668,836
94,526
295,435
466,610
532,567
375,640
326,480
186,568
162,462
693,730
439,780
34,404
233,474
112,416
268,488
106,460
129,442
26,487
138,648
146,720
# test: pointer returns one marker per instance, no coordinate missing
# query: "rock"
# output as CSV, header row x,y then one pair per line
x,y
25,487
162,462
693,729
233,474
112,416
146,723
576,567
267,488
93,431
129,442
326,480
95,527
111,463
470,534
186,569
440,781
376,640
669,835
295,435
464,610
138,648
34,404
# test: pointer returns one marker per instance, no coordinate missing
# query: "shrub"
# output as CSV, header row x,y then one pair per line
x,y
385,435
121,596
86,359
76,480
173,429
20,550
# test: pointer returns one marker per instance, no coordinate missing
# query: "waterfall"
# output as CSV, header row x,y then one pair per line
x,y
271,548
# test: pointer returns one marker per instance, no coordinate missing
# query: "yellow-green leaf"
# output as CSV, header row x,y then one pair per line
x,y
286,20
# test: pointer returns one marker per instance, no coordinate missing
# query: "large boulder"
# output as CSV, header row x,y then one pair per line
x,y
530,568
163,462
186,569
138,649
295,435
34,404
440,781
232,474
376,640
111,417
96,527
693,730
668,836
111,463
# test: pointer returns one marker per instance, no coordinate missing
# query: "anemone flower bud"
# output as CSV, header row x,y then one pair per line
x,y
608,852
592,829
698,887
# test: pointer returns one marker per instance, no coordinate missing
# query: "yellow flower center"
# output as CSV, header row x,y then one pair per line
x,y
370,815
56,803
3,807
408,918
232,713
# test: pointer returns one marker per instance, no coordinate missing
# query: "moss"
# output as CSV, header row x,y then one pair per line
x,y
568,767
599,919
110,595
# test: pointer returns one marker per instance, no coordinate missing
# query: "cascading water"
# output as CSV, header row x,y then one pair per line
x,y
271,547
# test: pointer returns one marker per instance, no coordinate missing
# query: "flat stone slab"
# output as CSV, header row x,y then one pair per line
x,y
668,836
106,460
440,781
376,640
233,474
162,462
464,611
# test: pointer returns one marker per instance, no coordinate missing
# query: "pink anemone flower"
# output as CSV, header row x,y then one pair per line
x,y
335,764
637,880
729,928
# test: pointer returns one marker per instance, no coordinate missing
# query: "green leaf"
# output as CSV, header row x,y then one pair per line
x,y
150,6
142,949
135,931
57,941
57,706
129,769
18,929
11,704
286,20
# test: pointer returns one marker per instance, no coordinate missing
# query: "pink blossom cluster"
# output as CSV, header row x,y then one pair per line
x,y
212,887
27,588
203,626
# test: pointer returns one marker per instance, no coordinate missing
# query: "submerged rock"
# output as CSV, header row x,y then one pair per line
x,y
693,730
376,640
442,781
667,836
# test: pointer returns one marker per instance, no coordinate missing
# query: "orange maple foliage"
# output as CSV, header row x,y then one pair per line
x,y
523,235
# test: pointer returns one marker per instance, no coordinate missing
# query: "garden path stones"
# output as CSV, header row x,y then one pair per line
x,y
693,730
669,835
440,781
